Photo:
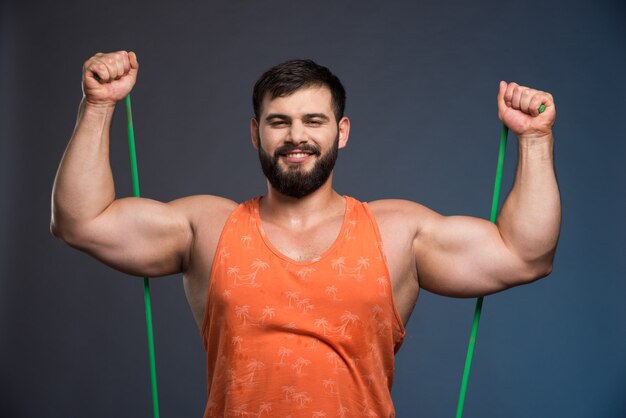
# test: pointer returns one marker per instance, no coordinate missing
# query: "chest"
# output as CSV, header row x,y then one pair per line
x,y
343,290
303,244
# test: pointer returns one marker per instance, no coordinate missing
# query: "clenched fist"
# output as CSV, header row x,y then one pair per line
x,y
108,78
518,108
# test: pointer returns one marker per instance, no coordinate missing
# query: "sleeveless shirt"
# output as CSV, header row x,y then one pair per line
x,y
300,339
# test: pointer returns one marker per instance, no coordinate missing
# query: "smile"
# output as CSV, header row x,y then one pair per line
x,y
296,155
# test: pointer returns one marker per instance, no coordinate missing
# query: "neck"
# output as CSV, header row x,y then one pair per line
x,y
285,210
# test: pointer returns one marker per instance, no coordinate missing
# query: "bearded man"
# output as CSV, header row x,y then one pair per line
x,y
301,295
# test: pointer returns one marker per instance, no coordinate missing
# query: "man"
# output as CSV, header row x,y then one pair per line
x,y
302,295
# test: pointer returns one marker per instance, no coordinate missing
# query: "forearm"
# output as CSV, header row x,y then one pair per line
x,y
84,185
530,219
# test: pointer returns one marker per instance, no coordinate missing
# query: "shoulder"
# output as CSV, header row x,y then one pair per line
x,y
205,216
203,202
398,213
200,209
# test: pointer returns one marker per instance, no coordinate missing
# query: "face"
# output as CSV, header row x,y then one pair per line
x,y
298,139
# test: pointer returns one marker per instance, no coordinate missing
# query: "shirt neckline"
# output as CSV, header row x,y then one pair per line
x,y
259,225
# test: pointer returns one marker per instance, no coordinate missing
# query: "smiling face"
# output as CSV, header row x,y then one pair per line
x,y
298,137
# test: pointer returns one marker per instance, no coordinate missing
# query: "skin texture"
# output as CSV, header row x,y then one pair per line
x,y
452,256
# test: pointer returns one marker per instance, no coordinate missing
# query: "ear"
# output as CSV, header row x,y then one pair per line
x,y
344,131
254,133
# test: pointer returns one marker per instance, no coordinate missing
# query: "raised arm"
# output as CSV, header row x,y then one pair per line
x,y
466,257
135,235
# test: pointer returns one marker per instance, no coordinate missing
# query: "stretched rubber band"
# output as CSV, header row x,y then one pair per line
x,y
146,282
479,302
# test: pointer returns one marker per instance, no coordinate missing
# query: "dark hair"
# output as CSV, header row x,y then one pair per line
x,y
284,79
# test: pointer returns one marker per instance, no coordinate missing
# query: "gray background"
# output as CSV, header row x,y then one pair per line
x,y
421,80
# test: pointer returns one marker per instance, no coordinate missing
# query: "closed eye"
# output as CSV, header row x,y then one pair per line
x,y
315,119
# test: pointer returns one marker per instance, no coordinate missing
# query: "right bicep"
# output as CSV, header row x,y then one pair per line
x,y
139,236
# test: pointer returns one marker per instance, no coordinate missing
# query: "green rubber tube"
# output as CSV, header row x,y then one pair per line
x,y
495,201
146,282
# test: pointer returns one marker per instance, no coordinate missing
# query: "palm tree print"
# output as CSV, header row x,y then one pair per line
x,y
223,255
323,324
268,312
243,313
282,353
240,410
366,410
348,232
353,272
288,391
383,327
329,386
264,407
334,359
346,319
338,263
246,318
383,283
302,398
237,340
246,242
305,305
250,278
299,364
252,367
304,272
376,311
293,297
332,291
342,411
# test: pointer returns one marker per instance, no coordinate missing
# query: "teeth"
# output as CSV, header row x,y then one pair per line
x,y
298,155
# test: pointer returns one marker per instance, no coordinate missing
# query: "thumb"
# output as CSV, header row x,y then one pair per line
x,y
501,105
134,64
503,86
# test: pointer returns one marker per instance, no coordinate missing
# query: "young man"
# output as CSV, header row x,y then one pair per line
x,y
301,296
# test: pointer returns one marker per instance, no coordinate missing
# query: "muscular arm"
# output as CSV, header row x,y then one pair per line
x,y
139,236
463,256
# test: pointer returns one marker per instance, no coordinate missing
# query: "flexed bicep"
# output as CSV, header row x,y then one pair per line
x,y
462,256
138,236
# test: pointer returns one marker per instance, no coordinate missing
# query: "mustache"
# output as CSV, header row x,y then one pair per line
x,y
291,147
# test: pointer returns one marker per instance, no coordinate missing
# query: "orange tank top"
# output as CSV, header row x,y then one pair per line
x,y
300,339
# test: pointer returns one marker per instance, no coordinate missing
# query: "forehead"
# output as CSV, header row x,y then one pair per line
x,y
307,100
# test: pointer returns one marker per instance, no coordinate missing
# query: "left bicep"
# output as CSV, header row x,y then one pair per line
x,y
462,256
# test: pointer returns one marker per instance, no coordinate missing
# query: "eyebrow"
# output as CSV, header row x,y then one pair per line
x,y
276,116
306,116
316,115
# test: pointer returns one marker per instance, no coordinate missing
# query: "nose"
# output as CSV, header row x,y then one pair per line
x,y
297,133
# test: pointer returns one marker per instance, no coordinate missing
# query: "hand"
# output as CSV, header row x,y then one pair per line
x,y
518,108
108,78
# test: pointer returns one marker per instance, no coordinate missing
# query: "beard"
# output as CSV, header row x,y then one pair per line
x,y
294,181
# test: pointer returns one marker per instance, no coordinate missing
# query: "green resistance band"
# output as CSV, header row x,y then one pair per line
x,y
479,302
146,282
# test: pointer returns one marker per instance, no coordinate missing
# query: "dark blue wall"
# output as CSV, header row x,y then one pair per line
x,y
421,80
